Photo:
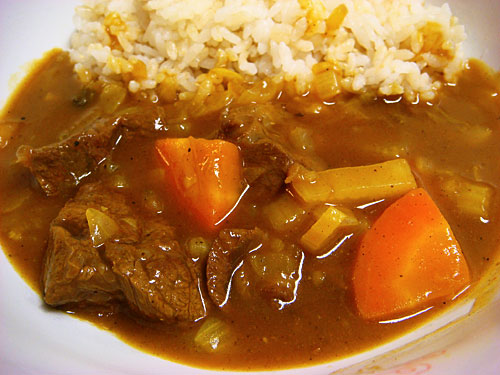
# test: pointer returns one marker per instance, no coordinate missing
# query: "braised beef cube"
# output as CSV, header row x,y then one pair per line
x,y
227,251
273,270
156,276
254,265
74,270
59,168
260,131
148,120
124,257
265,160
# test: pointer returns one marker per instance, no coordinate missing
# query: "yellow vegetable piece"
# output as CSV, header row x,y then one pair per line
x,y
470,197
334,21
284,213
230,75
310,186
316,12
365,183
139,70
101,226
112,96
213,335
167,89
7,129
326,84
324,228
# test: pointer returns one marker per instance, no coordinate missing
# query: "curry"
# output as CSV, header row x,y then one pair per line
x,y
253,287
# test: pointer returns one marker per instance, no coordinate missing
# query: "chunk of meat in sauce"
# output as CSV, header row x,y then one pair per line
x,y
260,266
227,251
148,120
272,272
74,270
60,167
141,263
156,276
258,131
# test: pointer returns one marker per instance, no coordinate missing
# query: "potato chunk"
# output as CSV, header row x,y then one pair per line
x,y
364,183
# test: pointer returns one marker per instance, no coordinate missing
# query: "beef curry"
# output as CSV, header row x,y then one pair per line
x,y
204,235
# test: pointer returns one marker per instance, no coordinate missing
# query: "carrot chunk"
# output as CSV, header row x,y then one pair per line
x,y
408,260
205,175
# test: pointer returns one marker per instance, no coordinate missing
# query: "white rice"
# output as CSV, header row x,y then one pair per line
x,y
378,47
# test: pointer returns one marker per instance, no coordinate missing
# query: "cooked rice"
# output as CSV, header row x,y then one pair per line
x,y
391,47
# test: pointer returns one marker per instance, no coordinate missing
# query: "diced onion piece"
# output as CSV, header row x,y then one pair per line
x,y
213,335
14,202
326,85
324,229
112,96
262,91
119,181
284,213
130,221
213,103
7,129
101,226
365,183
167,89
476,134
227,74
470,197
153,202
301,139
334,21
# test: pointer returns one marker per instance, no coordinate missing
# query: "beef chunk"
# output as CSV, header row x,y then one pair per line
x,y
258,130
227,251
74,270
148,120
60,167
274,270
156,276
266,161
142,263
256,265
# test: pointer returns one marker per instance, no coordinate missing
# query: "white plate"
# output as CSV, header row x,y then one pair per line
x,y
34,340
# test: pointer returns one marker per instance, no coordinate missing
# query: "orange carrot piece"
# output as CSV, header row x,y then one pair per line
x,y
206,176
408,260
